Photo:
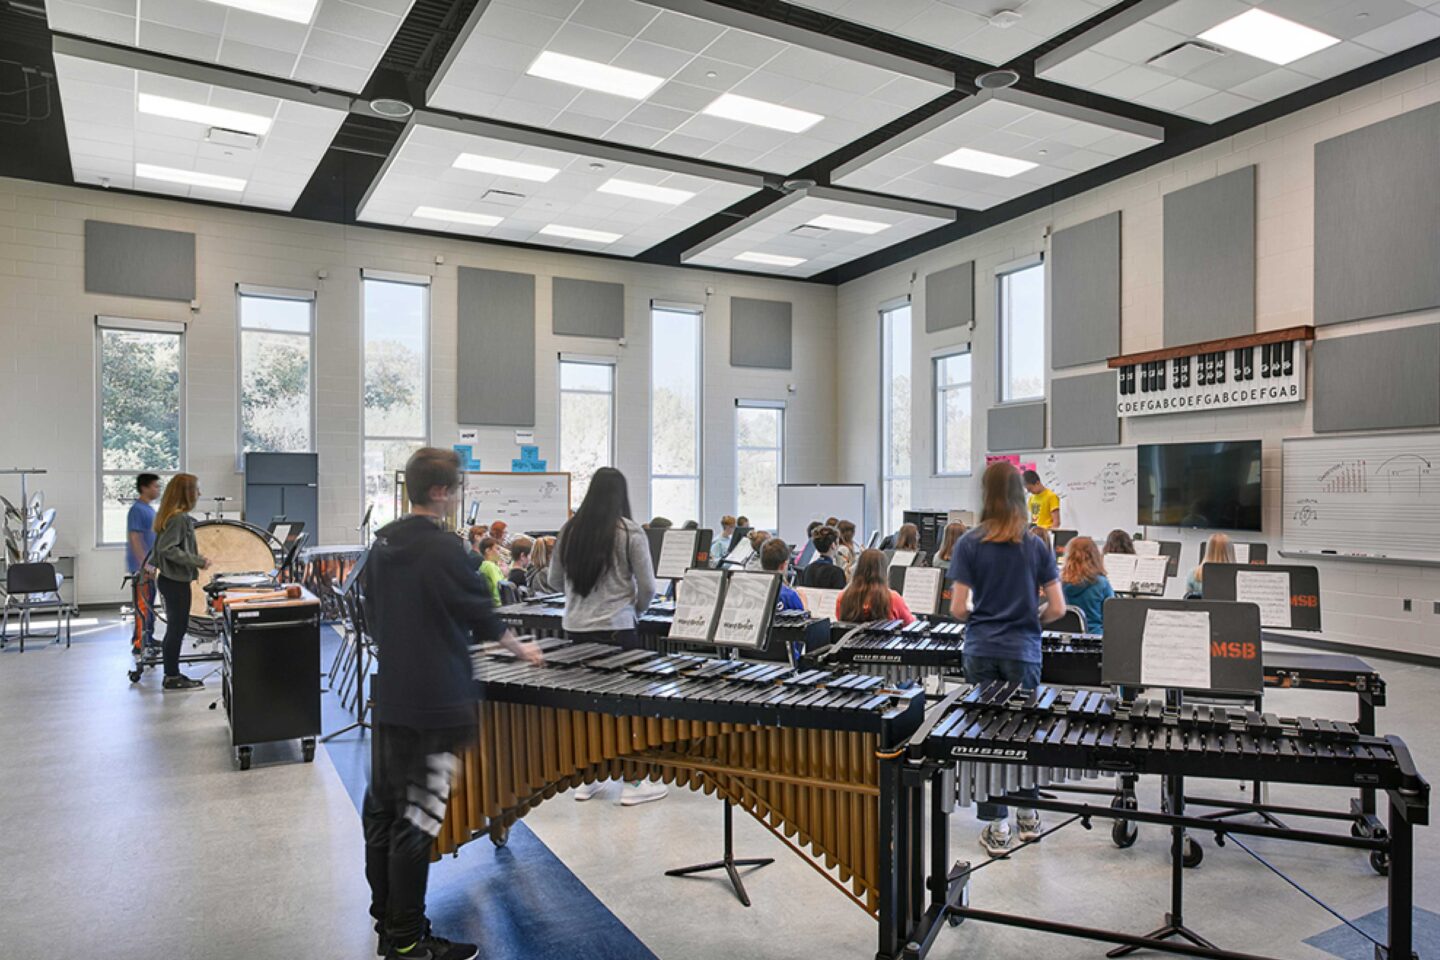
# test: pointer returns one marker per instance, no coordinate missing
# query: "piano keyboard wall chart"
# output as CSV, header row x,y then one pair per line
x,y
1363,497
1241,377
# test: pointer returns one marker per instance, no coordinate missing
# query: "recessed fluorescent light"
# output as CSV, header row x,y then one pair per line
x,y
563,68
1272,38
734,107
829,221
456,216
148,171
769,259
578,233
645,191
505,168
201,113
978,161
296,11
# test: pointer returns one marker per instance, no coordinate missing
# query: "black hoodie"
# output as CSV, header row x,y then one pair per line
x,y
425,607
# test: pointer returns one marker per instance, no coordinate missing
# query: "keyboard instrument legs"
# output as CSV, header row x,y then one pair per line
x,y
728,863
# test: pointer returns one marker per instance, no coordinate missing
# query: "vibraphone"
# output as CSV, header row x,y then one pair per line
x,y
324,569
932,648
815,756
996,738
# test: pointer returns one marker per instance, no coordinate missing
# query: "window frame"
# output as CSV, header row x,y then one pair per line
x,y
1002,337
612,363
411,279
698,310
887,477
940,393
779,448
243,290
103,323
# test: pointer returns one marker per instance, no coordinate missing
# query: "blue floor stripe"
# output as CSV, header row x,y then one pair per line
x,y
517,902
1340,941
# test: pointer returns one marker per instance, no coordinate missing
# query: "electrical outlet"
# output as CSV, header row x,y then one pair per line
x,y
1406,605
1437,608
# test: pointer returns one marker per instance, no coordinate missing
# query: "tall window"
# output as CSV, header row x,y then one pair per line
x,y
587,420
759,461
277,371
952,414
396,390
140,380
1020,295
895,389
675,413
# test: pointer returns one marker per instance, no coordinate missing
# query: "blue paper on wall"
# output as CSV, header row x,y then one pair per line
x,y
529,453
467,458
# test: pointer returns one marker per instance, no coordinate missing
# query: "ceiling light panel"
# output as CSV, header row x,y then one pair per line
x,y
995,147
599,199
811,231
1259,50
968,27
733,88
330,43
118,118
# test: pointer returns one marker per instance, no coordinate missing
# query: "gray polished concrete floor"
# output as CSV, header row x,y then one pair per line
x,y
125,832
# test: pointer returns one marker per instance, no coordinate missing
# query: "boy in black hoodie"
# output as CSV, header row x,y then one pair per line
x,y
425,607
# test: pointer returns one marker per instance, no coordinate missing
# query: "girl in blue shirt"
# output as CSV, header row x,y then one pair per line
x,y
1084,582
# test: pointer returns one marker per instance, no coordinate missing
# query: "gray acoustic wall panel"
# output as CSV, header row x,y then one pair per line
x,y
587,308
1082,412
950,297
1377,380
1014,427
495,349
1210,259
760,333
1085,292
1377,219
139,261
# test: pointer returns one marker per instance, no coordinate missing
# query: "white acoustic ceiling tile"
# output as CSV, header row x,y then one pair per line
x,y
1402,34
1174,96
182,43
784,229
1218,106
186,15
89,22
1131,83
245,56
1272,84
1085,69
333,75
697,52
353,20
1347,19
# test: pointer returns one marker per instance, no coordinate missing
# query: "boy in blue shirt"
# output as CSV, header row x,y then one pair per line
x,y
775,558
139,539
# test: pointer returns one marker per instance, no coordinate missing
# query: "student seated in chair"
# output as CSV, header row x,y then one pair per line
x,y
847,549
822,571
1119,542
868,597
775,558
521,553
1084,583
721,547
1217,550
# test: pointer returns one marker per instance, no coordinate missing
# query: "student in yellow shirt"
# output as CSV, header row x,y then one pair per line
x,y
1044,503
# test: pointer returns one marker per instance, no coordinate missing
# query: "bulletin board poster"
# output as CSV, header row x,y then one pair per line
x,y
1011,458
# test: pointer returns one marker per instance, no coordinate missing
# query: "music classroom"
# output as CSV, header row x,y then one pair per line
x,y
711,479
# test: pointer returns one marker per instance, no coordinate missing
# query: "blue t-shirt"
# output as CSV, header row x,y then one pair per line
x,y
1004,581
141,520
1089,599
789,599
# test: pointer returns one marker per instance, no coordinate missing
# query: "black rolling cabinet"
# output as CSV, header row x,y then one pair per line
x,y
271,680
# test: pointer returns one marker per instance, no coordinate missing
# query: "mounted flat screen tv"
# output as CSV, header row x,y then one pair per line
x,y
1215,486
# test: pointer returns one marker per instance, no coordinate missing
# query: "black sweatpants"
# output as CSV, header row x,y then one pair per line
x,y
177,620
410,776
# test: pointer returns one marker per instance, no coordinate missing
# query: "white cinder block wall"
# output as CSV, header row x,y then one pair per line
x,y
1362,603
47,354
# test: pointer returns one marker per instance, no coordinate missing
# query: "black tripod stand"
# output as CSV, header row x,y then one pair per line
x,y
728,863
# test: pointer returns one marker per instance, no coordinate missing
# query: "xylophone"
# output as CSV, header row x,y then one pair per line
x,y
814,755
929,648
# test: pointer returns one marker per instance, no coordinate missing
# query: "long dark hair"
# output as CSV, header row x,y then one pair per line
x,y
1003,516
587,541
868,595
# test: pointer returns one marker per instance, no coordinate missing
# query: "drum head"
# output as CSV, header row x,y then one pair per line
x,y
37,502
232,547
10,510
40,547
41,526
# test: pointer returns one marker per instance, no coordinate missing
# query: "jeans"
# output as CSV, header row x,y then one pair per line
x,y
624,639
410,776
177,620
982,670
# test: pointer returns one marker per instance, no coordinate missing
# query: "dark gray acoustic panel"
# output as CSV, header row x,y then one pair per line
x,y
950,297
495,348
1377,380
587,308
760,333
1082,412
1210,259
139,261
1377,219
1085,292
1014,427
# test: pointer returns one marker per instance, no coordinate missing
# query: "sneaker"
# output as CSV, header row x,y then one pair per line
x,y
1029,823
995,838
431,947
182,682
587,791
641,791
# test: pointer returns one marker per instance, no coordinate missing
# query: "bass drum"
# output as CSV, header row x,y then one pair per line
x,y
231,547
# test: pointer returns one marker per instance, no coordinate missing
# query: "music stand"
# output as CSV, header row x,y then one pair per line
x,y
349,595
1288,596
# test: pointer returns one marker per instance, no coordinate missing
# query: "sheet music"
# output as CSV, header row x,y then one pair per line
x,y
922,589
1147,548
1270,590
282,532
1150,574
677,553
902,558
746,610
1175,649
740,552
1242,552
1120,571
697,599
819,602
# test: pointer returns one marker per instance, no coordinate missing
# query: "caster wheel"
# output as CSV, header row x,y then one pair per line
x,y
1124,833
499,835
307,747
1380,862
1193,853
243,755
954,919
134,676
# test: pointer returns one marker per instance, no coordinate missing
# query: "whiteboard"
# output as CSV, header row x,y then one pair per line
x,y
1096,488
800,503
529,502
1374,496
